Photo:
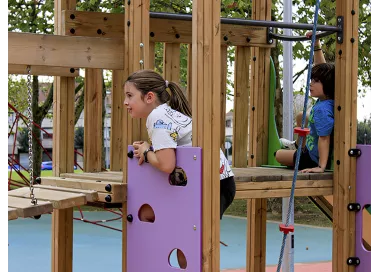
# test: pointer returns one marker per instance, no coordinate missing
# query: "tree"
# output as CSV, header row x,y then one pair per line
x,y
35,17
364,132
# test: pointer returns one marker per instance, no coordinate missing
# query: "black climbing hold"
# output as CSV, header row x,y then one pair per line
x,y
99,31
177,36
152,34
248,39
72,31
72,70
338,162
105,18
108,187
353,12
254,58
130,218
37,217
253,108
252,156
340,52
225,38
128,23
339,108
38,180
72,16
130,154
352,40
108,198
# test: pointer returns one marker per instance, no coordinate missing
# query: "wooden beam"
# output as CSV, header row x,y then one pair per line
x,y
36,70
63,146
223,94
262,193
117,117
59,200
64,51
206,121
241,102
94,176
136,25
172,62
94,24
25,208
93,129
258,142
345,136
91,195
12,214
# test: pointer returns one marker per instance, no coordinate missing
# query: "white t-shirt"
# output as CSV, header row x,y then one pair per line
x,y
168,128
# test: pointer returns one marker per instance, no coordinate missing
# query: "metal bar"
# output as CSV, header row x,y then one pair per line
x,y
247,22
298,38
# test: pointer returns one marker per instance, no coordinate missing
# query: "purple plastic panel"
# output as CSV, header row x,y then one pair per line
x,y
178,214
363,197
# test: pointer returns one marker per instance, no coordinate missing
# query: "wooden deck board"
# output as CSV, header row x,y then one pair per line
x,y
91,195
26,209
59,200
12,214
103,176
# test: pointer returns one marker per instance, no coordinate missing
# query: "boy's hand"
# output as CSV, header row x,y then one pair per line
x,y
313,170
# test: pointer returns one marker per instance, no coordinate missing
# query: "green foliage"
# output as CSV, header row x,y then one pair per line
x,y
23,140
364,132
17,93
79,137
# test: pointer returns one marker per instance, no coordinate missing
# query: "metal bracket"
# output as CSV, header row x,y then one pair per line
x,y
354,152
354,207
339,34
353,261
269,35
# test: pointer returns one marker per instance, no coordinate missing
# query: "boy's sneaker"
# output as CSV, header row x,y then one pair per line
x,y
287,144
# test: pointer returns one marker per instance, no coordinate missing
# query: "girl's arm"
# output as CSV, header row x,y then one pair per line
x,y
164,159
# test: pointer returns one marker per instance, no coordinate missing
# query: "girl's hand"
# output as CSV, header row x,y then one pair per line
x,y
140,147
313,170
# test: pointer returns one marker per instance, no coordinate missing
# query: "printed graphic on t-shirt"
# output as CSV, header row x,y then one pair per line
x,y
162,124
174,136
177,117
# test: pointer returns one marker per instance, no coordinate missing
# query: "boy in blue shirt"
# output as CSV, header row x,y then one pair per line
x,y
317,149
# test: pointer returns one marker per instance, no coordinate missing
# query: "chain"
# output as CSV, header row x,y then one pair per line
x,y
30,138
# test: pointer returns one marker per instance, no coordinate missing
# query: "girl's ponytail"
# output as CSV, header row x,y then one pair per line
x,y
177,99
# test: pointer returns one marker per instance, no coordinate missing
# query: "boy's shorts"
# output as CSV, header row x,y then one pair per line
x,y
305,160
227,193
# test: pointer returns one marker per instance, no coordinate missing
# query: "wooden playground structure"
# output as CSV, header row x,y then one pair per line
x,y
125,43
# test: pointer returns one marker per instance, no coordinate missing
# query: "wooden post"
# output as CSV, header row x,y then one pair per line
x,y
206,121
241,101
258,142
346,63
117,118
93,105
189,72
223,95
136,57
171,62
63,154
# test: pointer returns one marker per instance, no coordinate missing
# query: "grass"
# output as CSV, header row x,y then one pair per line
x,y
305,211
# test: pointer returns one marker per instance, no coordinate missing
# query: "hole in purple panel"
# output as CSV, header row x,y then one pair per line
x,y
146,214
178,177
177,259
366,230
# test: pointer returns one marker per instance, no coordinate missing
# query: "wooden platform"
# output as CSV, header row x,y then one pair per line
x,y
263,182
48,198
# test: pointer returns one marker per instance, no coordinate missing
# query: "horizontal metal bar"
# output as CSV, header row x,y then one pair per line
x,y
247,22
299,38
